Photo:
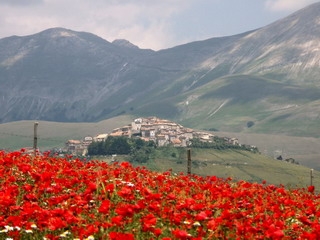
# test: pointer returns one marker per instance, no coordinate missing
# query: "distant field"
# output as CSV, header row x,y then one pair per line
x,y
306,150
16,135
237,164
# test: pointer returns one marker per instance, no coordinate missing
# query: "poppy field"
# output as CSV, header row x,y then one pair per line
x,y
47,197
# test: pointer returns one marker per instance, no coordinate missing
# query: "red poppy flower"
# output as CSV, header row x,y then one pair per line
x,y
117,220
181,234
104,207
311,189
149,221
56,223
120,236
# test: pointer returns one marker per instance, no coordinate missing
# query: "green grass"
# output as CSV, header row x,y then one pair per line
x,y
305,150
227,104
237,164
17,135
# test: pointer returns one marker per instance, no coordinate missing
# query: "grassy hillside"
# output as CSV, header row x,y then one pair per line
x,y
237,164
16,135
229,103
306,150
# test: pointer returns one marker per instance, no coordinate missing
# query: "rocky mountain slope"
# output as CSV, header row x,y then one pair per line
x,y
266,80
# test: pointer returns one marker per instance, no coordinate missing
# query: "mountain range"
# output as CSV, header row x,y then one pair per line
x,y
263,81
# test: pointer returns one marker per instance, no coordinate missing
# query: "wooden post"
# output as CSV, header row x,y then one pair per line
x,y
35,138
189,161
311,177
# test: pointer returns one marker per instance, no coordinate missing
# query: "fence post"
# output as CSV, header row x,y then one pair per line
x,y
189,161
311,177
35,138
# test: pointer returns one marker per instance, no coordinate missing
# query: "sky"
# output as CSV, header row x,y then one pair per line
x,y
153,24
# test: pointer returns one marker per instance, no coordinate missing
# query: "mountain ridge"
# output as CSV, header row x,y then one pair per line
x,y
68,76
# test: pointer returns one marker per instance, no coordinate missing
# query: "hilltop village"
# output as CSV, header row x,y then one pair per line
x,y
163,132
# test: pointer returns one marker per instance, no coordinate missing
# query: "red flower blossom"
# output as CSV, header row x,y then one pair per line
x,y
117,220
181,234
104,207
118,201
148,222
125,192
311,189
121,236
91,187
201,216
56,223
125,210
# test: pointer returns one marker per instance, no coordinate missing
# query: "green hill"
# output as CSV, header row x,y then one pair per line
x,y
237,164
273,107
16,135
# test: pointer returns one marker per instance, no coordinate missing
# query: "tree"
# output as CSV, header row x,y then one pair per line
x,y
117,145
96,148
250,124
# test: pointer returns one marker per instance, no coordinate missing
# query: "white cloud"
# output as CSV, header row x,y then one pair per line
x,y
286,5
21,3
143,22
146,23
